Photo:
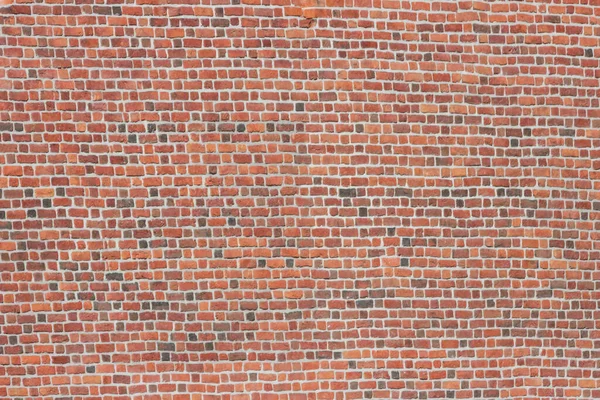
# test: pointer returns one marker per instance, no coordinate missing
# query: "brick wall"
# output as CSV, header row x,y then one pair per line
x,y
300,199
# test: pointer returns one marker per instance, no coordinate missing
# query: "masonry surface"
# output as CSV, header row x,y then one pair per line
x,y
300,199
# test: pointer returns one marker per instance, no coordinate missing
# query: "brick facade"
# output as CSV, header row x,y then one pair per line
x,y
300,199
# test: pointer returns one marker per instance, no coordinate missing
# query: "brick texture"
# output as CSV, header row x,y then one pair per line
x,y
300,199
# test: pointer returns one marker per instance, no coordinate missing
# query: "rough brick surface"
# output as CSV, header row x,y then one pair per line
x,y
300,199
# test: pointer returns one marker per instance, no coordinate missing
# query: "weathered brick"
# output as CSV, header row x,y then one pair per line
x,y
348,192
